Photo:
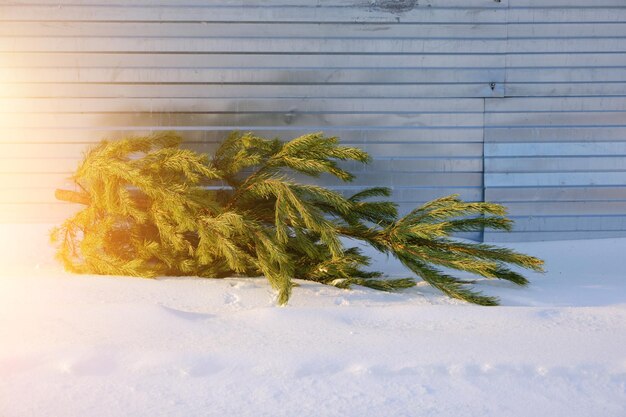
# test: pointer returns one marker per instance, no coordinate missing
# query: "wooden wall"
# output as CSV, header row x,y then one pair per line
x,y
518,101
555,144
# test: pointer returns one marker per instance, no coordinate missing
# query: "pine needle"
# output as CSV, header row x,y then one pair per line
x,y
152,208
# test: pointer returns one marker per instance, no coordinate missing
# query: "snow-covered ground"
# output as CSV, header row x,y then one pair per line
x,y
90,346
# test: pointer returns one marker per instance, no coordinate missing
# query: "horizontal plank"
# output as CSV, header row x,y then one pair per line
x,y
36,213
566,60
569,120
517,150
249,91
538,236
414,196
518,179
555,134
32,195
165,105
566,30
564,208
386,13
380,150
281,60
241,121
531,89
535,75
375,4
38,165
417,165
165,30
570,223
554,104
254,75
169,30
567,75
222,45
386,165
346,134
565,3
369,179
565,45
9,182
569,194
407,196
229,60
556,164
538,14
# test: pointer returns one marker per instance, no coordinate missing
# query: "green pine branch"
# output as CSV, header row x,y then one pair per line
x,y
148,212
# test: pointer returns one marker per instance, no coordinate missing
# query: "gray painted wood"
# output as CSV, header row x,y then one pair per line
x,y
559,164
522,102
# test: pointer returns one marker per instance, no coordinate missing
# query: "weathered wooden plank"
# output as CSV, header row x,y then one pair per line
x,y
186,30
165,105
408,196
381,150
400,179
554,134
424,150
536,236
350,135
507,194
389,165
566,60
356,91
553,104
403,195
375,4
442,180
242,121
255,75
417,194
9,182
257,60
570,223
565,3
530,89
556,164
36,213
565,208
566,45
555,149
538,14
590,75
422,165
567,30
542,179
224,45
208,13
569,120
38,165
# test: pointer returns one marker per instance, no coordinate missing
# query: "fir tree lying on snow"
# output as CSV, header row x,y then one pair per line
x,y
150,211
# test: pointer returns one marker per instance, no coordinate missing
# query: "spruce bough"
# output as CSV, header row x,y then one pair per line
x,y
154,209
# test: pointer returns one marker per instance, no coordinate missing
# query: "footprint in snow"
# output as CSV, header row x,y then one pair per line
x,y
231,299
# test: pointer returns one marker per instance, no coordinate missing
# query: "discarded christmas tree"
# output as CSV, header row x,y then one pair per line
x,y
153,209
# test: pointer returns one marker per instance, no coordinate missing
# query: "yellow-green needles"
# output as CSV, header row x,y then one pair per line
x,y
152,208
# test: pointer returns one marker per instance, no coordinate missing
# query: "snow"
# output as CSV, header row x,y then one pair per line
x,y
94,346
